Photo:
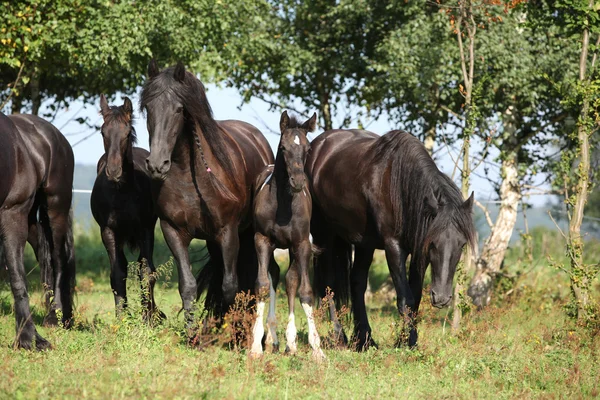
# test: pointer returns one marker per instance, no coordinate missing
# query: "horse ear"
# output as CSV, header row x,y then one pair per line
x,y
468,204
431,204
153,69
127,106
284,122
179,73
104,109
311,124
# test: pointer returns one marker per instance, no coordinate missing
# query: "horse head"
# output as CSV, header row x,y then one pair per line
x,y
294,146
118,136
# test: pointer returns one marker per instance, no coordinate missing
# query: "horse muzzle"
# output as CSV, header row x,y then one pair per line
x,y
158,170
440,300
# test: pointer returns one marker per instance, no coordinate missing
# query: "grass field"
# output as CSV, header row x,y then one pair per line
x,y
522,346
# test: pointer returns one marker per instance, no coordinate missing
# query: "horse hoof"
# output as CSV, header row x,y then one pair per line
x,y
50,320
318,356
409,340
290,350
42,344
275,348
154,317
365,343
255,355
24,344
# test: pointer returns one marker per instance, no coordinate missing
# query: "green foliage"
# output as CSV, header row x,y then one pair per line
x,y
318,52
77,49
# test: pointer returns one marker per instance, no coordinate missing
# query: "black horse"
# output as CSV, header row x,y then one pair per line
x,y
282,212
203,174
122,205
384,193
35,201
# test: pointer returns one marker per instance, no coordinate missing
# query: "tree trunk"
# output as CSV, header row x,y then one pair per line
x,y
429,140
581,274
36,100
490,260
326,113
16,104
466,15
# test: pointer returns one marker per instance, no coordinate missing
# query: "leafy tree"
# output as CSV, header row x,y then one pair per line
x,y
76,49
517,113
579,22
318,52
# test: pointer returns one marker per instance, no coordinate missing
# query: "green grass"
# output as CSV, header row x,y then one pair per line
x,y
521,346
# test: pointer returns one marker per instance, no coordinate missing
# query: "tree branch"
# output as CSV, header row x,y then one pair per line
x,y
5,102
486,213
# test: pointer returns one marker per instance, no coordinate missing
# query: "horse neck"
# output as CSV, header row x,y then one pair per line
x,y
281,179
202,165
128,163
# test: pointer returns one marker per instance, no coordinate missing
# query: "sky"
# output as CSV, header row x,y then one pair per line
x,y
226,103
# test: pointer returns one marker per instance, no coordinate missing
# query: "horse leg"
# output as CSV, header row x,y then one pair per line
x,y
58,220
292,280
324,272
264,249
178,245
396,259
230,247
415,280
303,256
148,277
118,269
13,225
271,338
359,276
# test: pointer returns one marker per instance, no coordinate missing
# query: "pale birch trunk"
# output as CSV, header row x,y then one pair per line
x,y
492,254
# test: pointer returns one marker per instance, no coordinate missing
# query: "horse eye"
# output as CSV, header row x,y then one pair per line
x,y
179,110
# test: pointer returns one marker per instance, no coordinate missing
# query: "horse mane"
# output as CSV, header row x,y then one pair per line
x,y
118,114
416,182
192,95
294,122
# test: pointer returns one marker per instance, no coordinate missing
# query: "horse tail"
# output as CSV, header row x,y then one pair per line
x,y
336,275
44,252
247,265
68,281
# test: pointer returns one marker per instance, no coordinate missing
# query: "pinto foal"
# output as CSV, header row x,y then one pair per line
x,y
282,212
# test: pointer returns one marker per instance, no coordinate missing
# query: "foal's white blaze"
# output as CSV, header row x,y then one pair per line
x,y
271,318
290,334
297,140
259,330
313,336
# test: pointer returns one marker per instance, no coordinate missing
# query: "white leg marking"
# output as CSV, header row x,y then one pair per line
x,y
290,334
313,336
272,319
258,331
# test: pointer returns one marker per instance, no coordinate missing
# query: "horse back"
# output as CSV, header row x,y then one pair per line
x,y
51,153
254,147
8,157
347,192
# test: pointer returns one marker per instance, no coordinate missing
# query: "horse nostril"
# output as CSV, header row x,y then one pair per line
x,y
148,165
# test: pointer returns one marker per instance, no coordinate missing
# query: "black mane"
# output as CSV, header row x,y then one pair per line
x,y
414,180
192,95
